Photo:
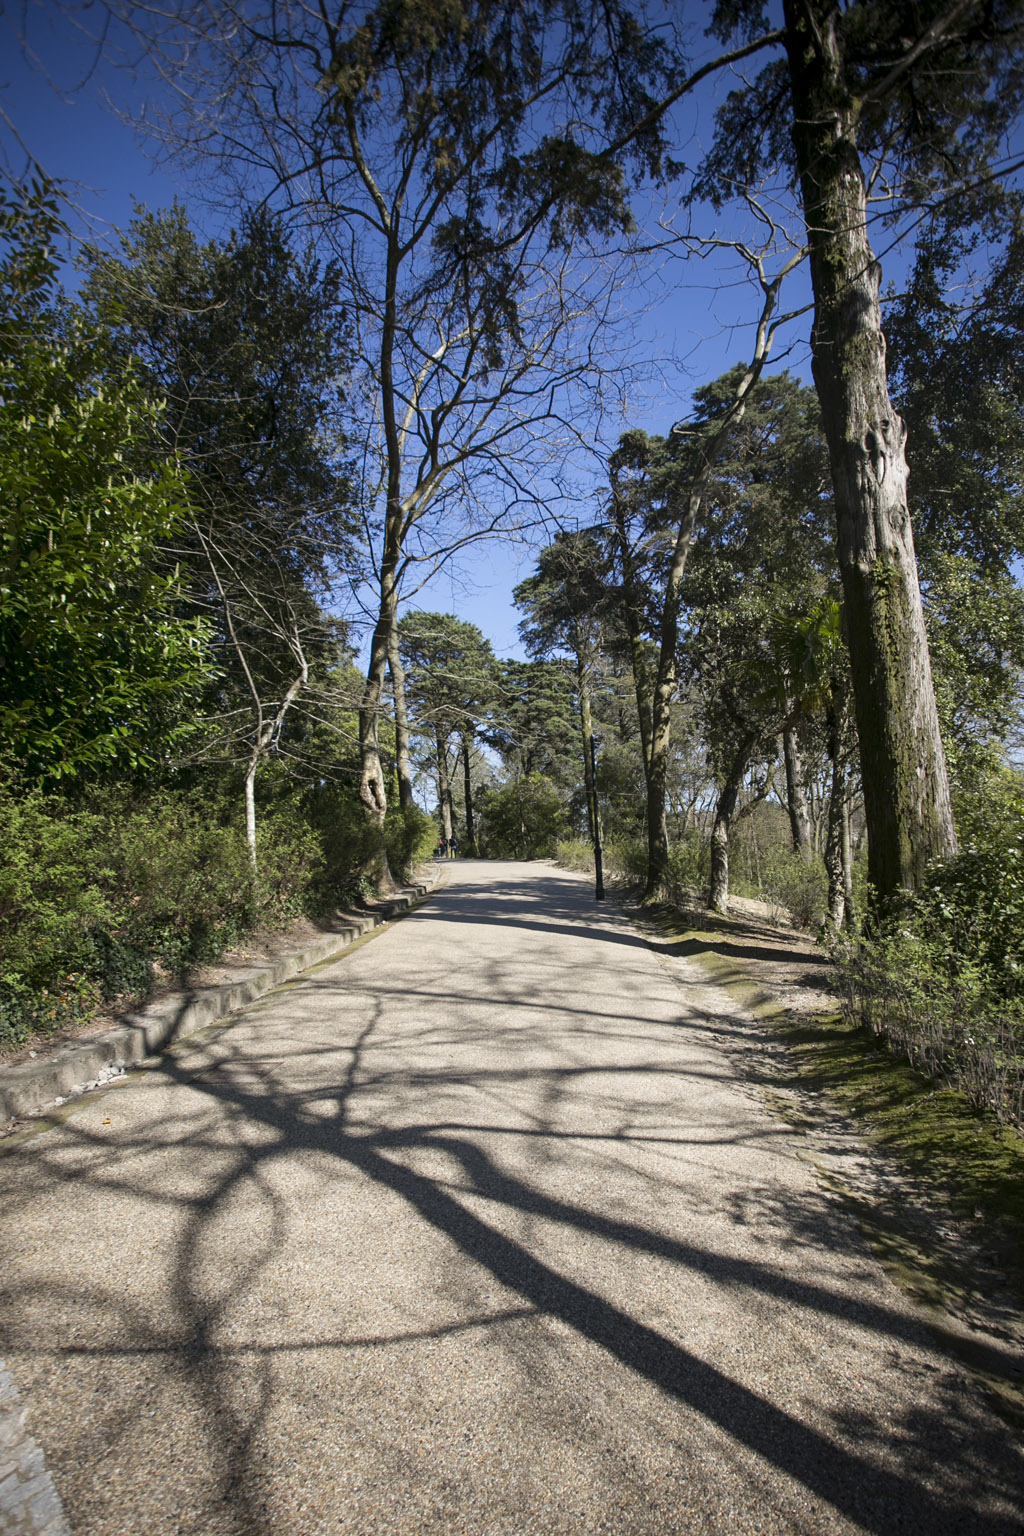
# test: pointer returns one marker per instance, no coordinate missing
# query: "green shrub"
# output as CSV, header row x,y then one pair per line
x,y
95,893
121,968
55,887
27,1012
973,908
523,819
410,836
573,853
941,976
348,846
689,867
625,859
795,885
184,882
289,856
689,870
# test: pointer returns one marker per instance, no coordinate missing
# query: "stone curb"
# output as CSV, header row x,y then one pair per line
x,y
27,1089
29,1502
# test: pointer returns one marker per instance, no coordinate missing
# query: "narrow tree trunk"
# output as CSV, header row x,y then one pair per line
x,y
451,770
467,791
405,797
266,734
846,848
796,798
372,791
906,793
371,778
444,785
587,732
834,837
839,859
657,820
630,606
250,807
725,814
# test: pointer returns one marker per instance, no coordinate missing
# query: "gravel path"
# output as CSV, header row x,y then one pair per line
x,y
478,1230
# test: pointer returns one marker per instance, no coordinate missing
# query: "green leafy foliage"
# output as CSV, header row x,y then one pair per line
x,y
796,886
450,672
101,896
92,894
625,860
411,836
96,668
534,724
523,819
246,341
942,976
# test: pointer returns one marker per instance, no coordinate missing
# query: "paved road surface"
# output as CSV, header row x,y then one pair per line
x,y
479,1231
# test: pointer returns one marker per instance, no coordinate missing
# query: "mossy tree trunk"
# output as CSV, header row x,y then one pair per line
x,y
837,823
725,816
906,792
632,600
846,847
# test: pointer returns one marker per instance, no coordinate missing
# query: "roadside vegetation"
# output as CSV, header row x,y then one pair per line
x,y
946,1214
938,978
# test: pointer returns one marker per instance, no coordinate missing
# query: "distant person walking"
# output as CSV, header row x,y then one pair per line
x,y
453,846
442,850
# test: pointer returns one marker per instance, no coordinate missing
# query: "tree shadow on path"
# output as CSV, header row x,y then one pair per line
x,y
881,1479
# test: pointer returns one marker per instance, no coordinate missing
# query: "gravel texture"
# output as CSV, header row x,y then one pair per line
x,y
479,1229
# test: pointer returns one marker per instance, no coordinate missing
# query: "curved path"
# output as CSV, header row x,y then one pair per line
x,y
476,1230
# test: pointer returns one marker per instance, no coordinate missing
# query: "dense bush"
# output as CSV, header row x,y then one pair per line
x,y
523,819
411,836
942,975
625,859
92,895
96,894
796,886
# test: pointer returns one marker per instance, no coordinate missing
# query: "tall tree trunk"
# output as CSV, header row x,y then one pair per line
x,y
906,792
630,608
267,732
725,815
838,850
405,798
587,733
467,791
444,784
371,778
796,798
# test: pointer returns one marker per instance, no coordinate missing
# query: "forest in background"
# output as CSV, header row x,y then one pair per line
x,y
744,672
